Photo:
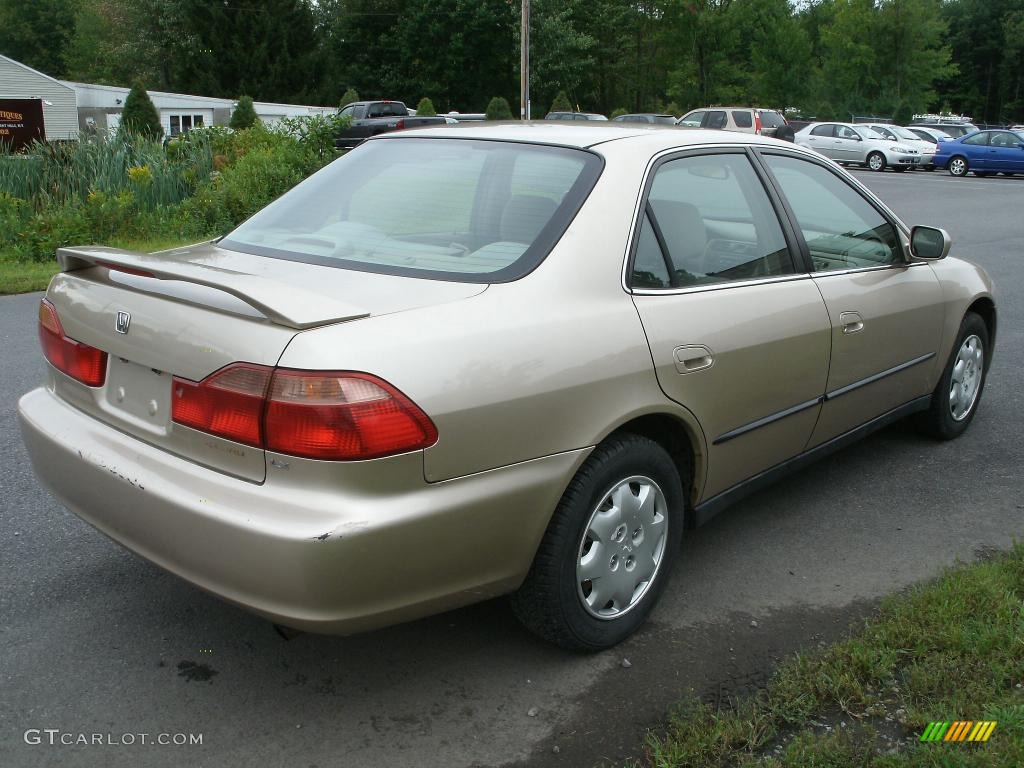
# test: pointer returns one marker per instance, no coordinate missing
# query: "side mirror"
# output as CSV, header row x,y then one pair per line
x,y
930,243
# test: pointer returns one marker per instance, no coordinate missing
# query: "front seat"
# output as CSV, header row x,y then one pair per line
x,y
683,228
524,217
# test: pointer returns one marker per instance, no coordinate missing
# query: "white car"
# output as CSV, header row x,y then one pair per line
x,y
907,137
856,144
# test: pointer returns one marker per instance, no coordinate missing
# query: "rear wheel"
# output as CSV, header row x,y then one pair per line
x,y
958,166
876,161
608,550
956,396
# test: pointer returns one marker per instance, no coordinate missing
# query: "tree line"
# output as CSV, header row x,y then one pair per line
x,y
824,58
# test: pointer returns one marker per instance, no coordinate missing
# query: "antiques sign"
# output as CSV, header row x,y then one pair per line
x,y
21,123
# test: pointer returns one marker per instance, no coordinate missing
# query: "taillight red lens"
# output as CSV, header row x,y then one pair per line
x,y
79,361
400,124
342,416
333,416
757,123
228,403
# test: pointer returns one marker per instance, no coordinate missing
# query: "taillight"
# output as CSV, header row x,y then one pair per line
x,y
757,123
79,361
228,403
400,123
333,416
342,416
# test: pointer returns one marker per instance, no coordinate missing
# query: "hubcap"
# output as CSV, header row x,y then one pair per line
x,y
622,547
957,167
875,162
965,383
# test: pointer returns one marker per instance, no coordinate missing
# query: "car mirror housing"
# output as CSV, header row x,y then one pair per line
x,y
930,243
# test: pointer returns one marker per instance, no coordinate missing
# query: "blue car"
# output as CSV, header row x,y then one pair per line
x,y
984,152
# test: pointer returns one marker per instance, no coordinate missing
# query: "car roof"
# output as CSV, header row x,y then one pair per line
x,y
583,135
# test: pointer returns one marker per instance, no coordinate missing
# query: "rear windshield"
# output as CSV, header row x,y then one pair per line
x,y
387,109
449,209
770,119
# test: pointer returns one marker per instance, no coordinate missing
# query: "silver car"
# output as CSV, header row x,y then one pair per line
x,y
906,137
856,144
494,359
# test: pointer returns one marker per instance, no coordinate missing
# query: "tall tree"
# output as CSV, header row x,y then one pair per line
x,y
37,33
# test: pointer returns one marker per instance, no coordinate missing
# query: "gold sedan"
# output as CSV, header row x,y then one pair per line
x,y
488,359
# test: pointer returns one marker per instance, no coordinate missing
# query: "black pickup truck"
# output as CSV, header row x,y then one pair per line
x,y
372,117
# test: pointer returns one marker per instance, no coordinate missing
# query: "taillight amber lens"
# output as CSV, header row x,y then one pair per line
x,y
79,361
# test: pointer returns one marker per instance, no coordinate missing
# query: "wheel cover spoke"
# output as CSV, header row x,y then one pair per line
x,y
622,548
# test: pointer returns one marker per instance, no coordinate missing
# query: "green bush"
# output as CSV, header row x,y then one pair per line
x,y
139,116
561,103
498,109
619,111
426,108
348,97
244,115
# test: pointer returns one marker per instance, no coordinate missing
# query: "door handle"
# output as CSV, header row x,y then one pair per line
x,y
692,358
851,322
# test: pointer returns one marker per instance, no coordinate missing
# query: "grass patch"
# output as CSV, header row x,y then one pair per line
x,y
952,649
22,276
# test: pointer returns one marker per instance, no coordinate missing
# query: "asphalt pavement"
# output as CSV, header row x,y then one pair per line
x,y
97,641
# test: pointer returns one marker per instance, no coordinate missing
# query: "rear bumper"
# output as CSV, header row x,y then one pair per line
x,y
384,548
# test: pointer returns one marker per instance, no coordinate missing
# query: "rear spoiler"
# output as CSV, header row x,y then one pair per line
x,y
282,304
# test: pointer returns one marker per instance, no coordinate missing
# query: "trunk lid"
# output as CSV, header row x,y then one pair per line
x,y
194,310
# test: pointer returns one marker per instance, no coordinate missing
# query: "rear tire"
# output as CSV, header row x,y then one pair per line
x,y
958,393
620,519
958,166
876,161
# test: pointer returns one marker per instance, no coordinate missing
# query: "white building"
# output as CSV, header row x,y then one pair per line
x,y
60,117
100,107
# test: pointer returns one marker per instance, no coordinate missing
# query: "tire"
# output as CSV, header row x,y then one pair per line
x,y
555,601
958,166
876,161
946,419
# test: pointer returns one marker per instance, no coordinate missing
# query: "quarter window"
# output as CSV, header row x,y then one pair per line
x,y
841,228
742,119
715,223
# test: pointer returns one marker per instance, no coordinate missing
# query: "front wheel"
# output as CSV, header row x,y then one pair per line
x,y
608,550
958,166
876,161
956,396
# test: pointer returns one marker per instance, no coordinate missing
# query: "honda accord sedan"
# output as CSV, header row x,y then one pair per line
x,y
482,360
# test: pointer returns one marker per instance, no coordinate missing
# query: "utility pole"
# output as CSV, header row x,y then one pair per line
x,y
524,63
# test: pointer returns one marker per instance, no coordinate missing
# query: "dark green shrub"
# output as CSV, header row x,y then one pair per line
x,y
619,111
498,109
140,117
348,97
426,108
244,115
561,103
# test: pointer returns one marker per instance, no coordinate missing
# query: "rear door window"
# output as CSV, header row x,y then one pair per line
x,y
822,130
713,220
715,119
